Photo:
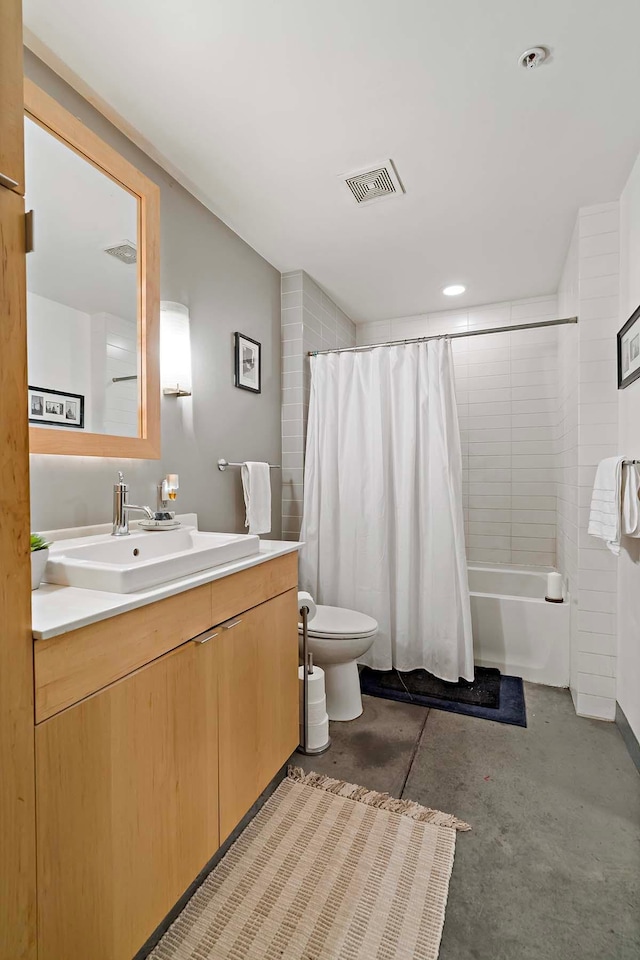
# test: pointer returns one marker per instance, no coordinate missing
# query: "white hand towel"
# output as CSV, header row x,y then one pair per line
x,y
604,518
630,505
256,485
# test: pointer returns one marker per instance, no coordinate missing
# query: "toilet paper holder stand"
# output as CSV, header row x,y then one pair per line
x,y
307,660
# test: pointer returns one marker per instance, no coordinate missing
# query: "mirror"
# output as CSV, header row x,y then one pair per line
x,y
92,291
82,303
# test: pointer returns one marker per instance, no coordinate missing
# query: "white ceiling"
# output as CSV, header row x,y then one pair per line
x,y
260,106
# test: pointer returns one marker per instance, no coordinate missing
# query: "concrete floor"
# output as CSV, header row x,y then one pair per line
x,y
551,868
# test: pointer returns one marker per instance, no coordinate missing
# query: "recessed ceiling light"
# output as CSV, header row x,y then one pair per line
x,y
454,290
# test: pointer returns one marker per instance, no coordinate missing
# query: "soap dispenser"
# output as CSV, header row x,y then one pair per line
x,y
167,494
164,519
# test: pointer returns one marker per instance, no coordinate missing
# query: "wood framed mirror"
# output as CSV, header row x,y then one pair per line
x,y
93,291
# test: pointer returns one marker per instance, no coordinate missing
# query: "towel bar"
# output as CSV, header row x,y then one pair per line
x,y
223,464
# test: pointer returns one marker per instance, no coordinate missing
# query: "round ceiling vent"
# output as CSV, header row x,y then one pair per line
x,y
532,58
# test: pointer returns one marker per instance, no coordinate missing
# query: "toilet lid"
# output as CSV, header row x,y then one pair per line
x,y
339,622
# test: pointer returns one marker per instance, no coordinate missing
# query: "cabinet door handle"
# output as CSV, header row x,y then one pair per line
x,y
204,637
7,181
228,626
28,231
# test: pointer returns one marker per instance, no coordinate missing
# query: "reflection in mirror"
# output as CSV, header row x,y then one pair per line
x,y
82,292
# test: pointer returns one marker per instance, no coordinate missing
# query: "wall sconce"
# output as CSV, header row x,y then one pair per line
x,y
175,349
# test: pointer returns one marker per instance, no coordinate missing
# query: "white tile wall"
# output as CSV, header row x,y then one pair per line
x,y
587,433
114,353
507,391
121,401
567,436
593,662
310,321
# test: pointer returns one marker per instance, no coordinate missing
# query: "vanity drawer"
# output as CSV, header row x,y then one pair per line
x,y
241,591
75,665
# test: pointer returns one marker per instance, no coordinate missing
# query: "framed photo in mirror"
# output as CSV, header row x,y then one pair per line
x,y
629,351
55,408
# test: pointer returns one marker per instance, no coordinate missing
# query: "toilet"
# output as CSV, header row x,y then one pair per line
x,y
337,639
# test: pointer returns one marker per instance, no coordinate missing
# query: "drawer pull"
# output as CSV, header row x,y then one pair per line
x,y
6,181
228,626
204,637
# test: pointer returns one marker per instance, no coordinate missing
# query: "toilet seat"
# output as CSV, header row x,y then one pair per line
x,y
335,623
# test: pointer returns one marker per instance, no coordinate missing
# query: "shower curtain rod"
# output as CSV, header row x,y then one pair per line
x,y
447,336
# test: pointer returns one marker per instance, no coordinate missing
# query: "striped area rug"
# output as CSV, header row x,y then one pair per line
x,y
325,870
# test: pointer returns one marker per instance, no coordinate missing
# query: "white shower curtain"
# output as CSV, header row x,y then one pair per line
x,y
383,521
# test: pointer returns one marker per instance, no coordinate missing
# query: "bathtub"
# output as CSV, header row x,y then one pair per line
x,y
514,628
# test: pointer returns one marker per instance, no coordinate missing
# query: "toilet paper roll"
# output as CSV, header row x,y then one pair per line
x,y
317,717
317,713
316,689
317,734
306,600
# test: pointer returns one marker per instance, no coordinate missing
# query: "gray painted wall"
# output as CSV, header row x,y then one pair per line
x,y
227,286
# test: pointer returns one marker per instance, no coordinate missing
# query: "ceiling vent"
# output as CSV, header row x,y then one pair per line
x,y
125,251
375,183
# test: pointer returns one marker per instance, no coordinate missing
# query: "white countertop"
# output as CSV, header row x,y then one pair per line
x,y
57,609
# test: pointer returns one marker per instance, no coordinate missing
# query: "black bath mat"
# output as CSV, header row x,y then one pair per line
x,y
491,696
484,691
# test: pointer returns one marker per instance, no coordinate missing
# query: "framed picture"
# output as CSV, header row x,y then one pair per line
x,y
248,363
629,351
56,408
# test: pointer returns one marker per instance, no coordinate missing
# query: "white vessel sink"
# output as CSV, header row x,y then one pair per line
x,y
143,559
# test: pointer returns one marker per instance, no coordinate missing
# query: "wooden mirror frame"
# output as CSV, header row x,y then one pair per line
x,y
48,113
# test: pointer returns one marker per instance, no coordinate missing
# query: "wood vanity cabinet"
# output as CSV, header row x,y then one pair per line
x,y
138,783
258,703
11,112
127,805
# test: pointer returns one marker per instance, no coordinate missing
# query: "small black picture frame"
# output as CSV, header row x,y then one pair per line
x,y
629,351
248,363
56,408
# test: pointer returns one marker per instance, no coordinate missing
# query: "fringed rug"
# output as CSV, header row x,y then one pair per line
x,y
325,870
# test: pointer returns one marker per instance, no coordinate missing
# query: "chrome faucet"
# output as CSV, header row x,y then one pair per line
x,y
122,509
